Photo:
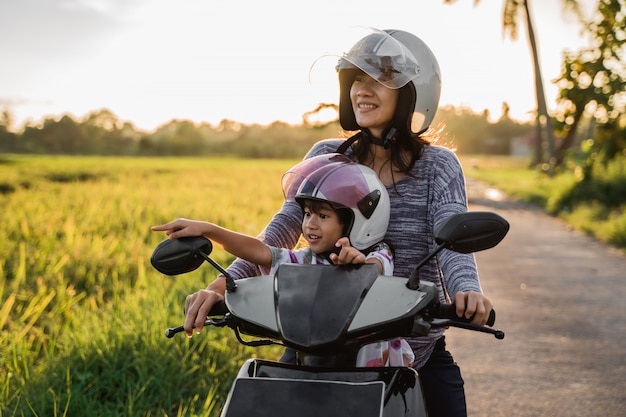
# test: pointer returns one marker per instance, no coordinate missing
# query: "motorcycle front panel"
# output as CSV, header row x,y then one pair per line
x,y
253,302
326,309
390,300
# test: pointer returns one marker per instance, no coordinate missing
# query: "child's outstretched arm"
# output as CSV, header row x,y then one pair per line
x,y
243,246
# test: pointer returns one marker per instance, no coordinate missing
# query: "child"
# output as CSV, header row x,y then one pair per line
x,y
345,216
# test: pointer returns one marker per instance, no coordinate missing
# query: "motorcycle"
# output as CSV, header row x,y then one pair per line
x,y
326,313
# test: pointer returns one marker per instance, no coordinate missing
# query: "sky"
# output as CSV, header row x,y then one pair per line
x,y
151,61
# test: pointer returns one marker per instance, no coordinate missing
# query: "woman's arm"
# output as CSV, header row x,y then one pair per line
x,y
459,270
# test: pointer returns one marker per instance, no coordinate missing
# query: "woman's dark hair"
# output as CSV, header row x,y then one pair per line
x,y
414,144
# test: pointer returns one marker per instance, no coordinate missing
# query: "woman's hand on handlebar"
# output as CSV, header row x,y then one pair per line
x,y
473,304
198,305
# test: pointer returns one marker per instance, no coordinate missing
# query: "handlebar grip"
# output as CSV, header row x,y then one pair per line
x,y
169,333
492,318
218,309
448,311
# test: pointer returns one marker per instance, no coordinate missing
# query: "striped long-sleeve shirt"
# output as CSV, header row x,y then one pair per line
x,y
434,190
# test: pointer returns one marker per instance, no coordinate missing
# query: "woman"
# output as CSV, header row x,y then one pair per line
x,y
389,91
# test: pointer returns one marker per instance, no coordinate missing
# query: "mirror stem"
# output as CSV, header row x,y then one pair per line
x,y
231,286
414,279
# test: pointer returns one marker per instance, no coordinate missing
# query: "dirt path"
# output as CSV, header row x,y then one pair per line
x,y
559,296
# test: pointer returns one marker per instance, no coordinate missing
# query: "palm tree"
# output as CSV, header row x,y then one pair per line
x,y
513,9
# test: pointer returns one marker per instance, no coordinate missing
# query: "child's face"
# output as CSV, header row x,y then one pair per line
x,y
321,227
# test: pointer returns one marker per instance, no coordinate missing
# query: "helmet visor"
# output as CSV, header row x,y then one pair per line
x,y
383,58
332,177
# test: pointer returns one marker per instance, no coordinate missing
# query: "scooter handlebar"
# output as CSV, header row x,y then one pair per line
x,y
448,311
219,309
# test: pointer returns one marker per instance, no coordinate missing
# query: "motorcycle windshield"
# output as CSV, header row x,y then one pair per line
x,y
315,304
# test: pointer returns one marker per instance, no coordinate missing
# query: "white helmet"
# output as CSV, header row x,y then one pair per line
x,y
398,60
336,179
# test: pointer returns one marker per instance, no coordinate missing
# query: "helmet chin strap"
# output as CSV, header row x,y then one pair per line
x,y
389,137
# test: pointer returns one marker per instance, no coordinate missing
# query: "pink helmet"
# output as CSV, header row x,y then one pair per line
x,y
336,179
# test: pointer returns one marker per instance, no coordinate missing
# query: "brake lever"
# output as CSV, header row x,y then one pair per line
x,y
499,334
169,333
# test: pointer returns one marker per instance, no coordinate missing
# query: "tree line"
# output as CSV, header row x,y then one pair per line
x,y
102,133
587,128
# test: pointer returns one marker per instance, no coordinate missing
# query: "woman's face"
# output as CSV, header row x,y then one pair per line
x,y
373,104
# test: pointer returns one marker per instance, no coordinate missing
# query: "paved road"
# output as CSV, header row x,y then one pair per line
x,y
560,297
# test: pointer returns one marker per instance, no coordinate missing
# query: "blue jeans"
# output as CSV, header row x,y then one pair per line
x,y
442,384
441,380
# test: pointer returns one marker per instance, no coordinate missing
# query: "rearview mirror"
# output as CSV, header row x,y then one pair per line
x,y
178,256
472,231
465,233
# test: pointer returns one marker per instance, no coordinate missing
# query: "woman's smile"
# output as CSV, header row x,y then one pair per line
x,y
373,104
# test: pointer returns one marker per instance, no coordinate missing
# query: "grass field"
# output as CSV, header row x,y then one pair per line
x,y
82,312
596,207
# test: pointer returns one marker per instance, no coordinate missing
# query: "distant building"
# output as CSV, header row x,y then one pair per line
x,y
523,145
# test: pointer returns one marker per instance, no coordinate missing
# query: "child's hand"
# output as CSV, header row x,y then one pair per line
x,y
347,254
182,228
